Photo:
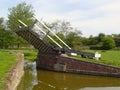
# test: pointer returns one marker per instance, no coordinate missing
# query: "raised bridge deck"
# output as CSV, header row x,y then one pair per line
x,y
35,40
37,34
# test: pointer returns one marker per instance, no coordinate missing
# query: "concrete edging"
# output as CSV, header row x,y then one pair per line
x,y
16,73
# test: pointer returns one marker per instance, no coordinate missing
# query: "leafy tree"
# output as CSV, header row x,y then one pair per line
x,y
84,41
6,38
108,43
100,37
70,38
1,22
61,27
92,40
117,41
73,40
2,33
21,12
65,31
116,38
52,43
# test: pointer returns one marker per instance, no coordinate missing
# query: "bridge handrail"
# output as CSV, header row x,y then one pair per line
x,y
52,33
50,38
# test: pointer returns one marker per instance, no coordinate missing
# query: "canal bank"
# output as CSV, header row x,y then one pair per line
x,y
15,74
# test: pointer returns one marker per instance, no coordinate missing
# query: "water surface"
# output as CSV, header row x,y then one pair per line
x,y
47,80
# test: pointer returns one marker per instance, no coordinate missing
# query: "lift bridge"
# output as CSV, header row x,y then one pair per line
x,y
51,56
38,35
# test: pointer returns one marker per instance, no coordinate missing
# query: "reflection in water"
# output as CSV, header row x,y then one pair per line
x,y
48,80
30,77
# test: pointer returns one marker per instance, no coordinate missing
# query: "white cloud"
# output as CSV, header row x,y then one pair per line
x,y
74,15
97,2
49,17
70,16
107,22
73,1
111,7
104,17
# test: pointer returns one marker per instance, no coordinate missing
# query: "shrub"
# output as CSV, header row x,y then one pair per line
x,y
108,43
96,47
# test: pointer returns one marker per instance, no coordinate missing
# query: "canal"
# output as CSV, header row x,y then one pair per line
x,y
47,80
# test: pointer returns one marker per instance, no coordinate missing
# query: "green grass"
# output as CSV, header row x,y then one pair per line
x,y
7,60
30,54
109,57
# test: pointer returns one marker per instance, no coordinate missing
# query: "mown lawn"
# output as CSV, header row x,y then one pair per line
x,y
109,57
7,60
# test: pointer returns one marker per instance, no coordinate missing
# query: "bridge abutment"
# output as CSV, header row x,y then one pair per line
x,y
71,65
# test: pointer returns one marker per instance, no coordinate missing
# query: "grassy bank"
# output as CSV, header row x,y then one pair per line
x,y
30,54
109,57
7,60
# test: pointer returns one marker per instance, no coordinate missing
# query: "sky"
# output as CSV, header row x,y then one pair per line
x,y
91,17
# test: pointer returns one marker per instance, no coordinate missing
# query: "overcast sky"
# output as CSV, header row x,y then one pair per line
x,y
90,16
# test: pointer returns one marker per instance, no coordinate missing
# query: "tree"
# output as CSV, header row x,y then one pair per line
x,y
73,40
108,43
2,33
116,38
66,32
61,36
100,37
61,27
21,12
92,40
1,22
6,38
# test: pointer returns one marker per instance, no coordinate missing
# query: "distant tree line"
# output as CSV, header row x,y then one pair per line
x,y
72,36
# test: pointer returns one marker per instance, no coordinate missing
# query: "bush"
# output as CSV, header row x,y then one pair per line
x,y
96,47
108,43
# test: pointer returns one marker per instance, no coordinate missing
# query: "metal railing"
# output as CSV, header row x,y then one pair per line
x,y
44,31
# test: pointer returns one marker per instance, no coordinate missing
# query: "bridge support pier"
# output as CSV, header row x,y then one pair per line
x,y
67,64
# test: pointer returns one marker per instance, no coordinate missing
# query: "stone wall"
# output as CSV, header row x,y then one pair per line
x,y
16,74
66,64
